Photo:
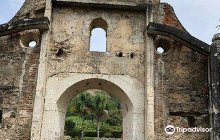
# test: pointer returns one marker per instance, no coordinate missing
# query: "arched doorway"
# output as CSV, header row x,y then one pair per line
x,y
60,91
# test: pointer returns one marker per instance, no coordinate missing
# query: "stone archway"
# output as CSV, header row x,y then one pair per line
x,y
60,91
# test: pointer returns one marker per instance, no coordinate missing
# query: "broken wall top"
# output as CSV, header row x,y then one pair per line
x,y
36,8
30,9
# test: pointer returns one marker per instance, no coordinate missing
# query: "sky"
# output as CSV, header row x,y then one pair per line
x,y
97,44
199,17
8,8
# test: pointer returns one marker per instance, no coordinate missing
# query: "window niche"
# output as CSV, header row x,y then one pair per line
x,y
98,35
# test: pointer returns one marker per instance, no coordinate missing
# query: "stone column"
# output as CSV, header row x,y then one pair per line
x,y
214,87
149,79
39,99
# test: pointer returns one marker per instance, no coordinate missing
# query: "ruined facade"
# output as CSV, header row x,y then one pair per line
x,y
179,86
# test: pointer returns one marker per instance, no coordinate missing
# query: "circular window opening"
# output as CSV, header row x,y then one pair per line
x,y
29,40
32,44
162,46
160,50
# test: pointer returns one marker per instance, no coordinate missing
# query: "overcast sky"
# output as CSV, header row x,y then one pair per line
x,y
199,17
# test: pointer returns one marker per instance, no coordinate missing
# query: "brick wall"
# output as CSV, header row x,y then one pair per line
x,y
181,95
181,84
170,17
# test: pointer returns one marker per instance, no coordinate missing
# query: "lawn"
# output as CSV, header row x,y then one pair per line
x,y
85,138
88,138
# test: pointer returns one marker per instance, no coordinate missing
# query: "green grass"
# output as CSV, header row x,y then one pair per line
x,y
88,138
85,138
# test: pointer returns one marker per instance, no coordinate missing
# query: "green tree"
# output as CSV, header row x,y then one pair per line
x,y
99,107
102,105
69,127
115,118
82,105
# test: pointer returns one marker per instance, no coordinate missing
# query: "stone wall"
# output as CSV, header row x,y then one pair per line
x,y
17,86
181,89
71,34
70,59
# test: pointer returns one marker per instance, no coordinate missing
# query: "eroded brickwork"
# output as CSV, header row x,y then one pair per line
x,y
181,90
181,84
18,82
170,17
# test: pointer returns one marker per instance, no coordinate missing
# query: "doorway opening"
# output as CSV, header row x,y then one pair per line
x,y
64,90
93,113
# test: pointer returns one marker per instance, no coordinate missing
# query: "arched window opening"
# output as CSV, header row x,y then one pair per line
x,y
98,40
98,36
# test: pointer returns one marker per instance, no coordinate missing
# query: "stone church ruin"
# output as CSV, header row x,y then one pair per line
x,y
176,86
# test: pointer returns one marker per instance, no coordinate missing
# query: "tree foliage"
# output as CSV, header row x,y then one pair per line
x,y
82,105
99,106
69,127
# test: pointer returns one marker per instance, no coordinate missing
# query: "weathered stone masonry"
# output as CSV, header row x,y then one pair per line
x,y
18,82
178,87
